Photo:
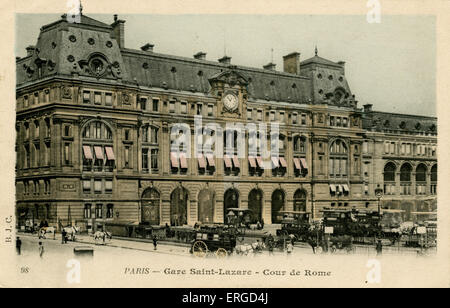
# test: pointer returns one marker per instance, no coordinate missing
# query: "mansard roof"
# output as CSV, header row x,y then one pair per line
x,y
395,122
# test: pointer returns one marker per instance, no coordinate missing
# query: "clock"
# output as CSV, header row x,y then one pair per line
x,y
230,102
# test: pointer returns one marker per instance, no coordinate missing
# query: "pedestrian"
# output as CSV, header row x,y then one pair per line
x,y
41,250
155,241
379,248
18,246
64,236
289,248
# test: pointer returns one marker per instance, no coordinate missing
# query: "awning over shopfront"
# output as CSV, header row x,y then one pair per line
x,y
174,160
236,162
345,188
283,162
201,161
98,152
227,161
87,152
110,153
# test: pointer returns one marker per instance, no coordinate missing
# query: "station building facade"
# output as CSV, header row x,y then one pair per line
x,y
95,124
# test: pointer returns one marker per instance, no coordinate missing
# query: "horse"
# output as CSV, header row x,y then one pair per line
x,y
71,232
44,230
244,249
102,235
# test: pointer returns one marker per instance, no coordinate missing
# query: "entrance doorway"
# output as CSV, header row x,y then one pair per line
x,y
150,207
277,206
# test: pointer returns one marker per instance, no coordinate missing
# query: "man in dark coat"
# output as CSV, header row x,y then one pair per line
x,y
155,241
64,236
19,245
379,248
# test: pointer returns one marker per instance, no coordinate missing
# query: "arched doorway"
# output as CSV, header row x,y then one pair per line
x,y
255,203
300,200
178,207
206,202
277,206
150,201
230,200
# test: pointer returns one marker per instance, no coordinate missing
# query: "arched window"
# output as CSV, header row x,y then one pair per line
x,y
338,163
389,178
434,175
150,207
405,179
97,143
300,200
421,178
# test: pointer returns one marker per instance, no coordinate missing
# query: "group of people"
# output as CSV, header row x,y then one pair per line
x,y
19,247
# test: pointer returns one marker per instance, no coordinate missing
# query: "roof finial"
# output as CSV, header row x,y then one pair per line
x,y
81,8
315,51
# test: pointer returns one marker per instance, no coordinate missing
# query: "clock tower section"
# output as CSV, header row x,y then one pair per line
x,y
230,89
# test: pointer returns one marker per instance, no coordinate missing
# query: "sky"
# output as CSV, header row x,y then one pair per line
x,y
391,65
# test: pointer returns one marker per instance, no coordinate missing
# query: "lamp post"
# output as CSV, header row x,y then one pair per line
x,y
379,194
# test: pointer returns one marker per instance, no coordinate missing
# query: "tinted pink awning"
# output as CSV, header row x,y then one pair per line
x,y
87,152
304,164
283,162
201,161
297,164
252,161
275,162
110,153
236,162
210,159
227,161
260,162
183,161
98,152
174,160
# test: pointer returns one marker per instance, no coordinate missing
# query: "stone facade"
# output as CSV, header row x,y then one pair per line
x,y
94,123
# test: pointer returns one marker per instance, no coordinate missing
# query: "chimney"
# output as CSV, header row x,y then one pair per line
x,y
291,63
271,66
147,47
368,108
200,56
30,50
225,60
118,31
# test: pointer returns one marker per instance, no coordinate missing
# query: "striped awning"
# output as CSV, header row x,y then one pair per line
x,y
210,159
174,160
201,161
109,153
227,161
87,152
297,164
345,187
333,188
183,161
98,152
236,162
283,162
252,162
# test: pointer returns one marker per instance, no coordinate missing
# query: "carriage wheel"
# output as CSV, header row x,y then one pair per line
x,y
200,249
221,253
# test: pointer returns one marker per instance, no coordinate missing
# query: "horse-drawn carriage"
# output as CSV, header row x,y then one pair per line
x,y
295,223
217,239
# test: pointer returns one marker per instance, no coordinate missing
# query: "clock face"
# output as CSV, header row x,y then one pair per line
x,y
230,102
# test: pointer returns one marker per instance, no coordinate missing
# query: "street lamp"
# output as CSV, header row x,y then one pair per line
x,y
379,194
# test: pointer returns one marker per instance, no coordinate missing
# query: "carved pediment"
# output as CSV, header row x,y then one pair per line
x,y
230,77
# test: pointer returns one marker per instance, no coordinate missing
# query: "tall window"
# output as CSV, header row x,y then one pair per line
x,y
434,176
97,147
405,179
150,149
389,179
421,179
87,211
338,163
